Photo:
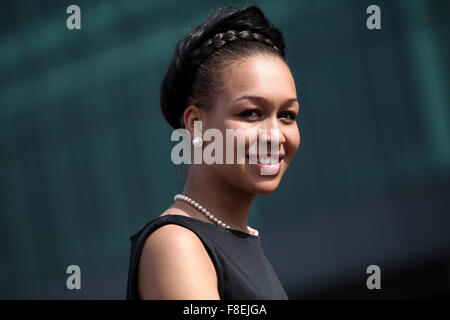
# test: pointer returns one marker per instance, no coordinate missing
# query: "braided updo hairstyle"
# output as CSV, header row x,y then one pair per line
x,y
229,34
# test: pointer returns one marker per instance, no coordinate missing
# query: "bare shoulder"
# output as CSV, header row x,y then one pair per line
x,y
174,265
173,210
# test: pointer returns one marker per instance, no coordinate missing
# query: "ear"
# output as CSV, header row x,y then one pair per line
x,y
191,114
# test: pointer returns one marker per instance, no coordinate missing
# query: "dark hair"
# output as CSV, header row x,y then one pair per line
x,y
228,34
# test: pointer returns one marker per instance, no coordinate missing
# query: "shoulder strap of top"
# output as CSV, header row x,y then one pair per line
x,y
138,240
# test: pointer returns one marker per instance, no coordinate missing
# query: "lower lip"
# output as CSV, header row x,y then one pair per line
x,y
269,169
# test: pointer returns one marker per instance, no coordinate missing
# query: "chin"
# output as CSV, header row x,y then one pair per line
x,y
265,187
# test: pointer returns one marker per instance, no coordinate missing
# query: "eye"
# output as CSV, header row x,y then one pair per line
x,y
250,114
288,115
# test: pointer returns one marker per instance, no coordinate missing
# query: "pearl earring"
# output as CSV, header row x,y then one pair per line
x,y
197,142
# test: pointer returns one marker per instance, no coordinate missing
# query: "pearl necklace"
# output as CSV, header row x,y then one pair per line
x,y
208,214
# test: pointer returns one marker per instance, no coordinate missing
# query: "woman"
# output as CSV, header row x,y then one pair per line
x,y
228,73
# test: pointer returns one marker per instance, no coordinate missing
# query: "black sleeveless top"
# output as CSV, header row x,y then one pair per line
x,y
243,269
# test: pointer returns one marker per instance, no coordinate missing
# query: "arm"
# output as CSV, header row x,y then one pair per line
x,y
175,265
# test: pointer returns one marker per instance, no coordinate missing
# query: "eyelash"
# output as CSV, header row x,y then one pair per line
x,y
291,114
246,113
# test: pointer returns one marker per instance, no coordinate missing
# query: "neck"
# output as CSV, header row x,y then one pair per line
x,y
224,201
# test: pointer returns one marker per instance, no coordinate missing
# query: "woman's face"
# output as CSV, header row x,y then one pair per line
x,y
258,93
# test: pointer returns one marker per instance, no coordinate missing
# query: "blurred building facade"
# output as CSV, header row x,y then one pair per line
x,y
80,123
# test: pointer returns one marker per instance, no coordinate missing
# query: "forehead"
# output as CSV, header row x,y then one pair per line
x,y
259,75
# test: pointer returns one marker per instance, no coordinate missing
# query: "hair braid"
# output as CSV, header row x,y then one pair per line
x,y
220,39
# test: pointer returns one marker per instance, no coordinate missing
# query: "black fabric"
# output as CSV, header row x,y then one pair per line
x,y
243,269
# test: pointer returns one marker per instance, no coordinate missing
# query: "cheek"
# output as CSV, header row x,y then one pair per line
x,y
293,140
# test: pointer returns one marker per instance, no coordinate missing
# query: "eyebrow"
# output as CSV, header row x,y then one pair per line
x,y
264,100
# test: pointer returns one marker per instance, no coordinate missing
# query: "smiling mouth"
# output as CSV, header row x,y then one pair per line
x,y
267,167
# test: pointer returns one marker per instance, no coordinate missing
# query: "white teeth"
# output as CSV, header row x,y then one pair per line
x,y
265,160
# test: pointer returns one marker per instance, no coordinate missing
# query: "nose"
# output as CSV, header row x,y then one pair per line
x,y
272,134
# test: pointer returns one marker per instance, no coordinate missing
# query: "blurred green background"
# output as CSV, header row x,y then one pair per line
x,y
85,151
